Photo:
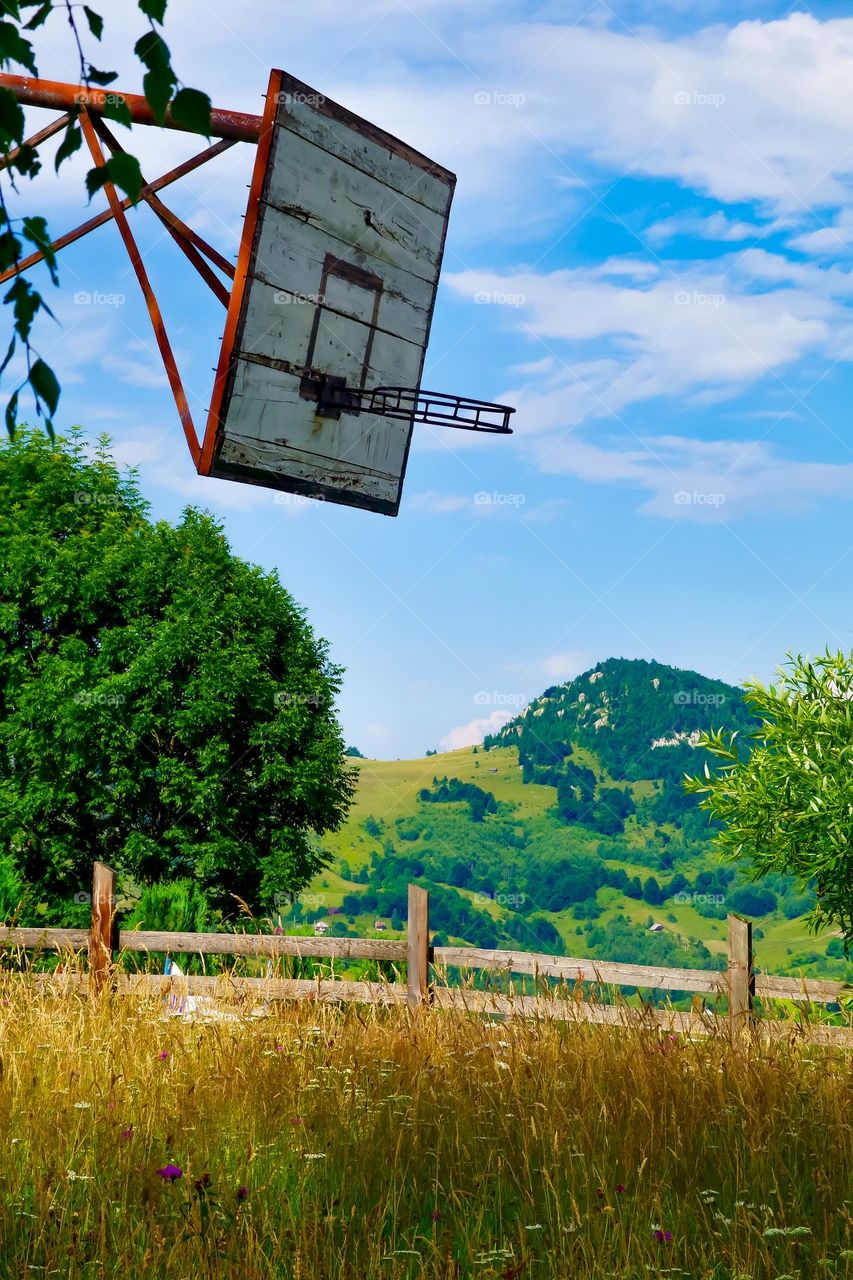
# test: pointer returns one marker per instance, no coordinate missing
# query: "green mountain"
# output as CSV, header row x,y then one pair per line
x,y
568,832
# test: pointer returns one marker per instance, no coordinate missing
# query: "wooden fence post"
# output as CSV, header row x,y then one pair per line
x,y
741,974
103,936
418,944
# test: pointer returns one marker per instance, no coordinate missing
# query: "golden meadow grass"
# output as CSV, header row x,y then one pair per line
x,y
361,1143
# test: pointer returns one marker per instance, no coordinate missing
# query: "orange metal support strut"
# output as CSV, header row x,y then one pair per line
x,y
31,92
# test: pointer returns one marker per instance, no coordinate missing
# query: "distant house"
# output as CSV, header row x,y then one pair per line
x,y
379,924
656,928
321,926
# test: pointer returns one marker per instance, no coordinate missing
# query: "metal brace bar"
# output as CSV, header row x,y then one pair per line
x,y
42,136
177,229
144,283
70,237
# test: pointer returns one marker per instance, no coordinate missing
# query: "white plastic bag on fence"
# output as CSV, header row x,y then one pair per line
x,y
178,1004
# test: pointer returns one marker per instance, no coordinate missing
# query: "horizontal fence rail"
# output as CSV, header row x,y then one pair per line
x,y
738,983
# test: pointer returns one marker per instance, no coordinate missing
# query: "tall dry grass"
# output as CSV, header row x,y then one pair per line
x,y
366,1143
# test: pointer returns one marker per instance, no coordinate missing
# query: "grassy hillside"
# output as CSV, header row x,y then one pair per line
x,y
558,835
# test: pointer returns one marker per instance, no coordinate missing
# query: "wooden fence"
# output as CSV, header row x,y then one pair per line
x,y
739,983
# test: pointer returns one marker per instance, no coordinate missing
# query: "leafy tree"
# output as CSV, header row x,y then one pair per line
x,y
354,753
164,93
164,706
652,892
177,906
785,797
11,888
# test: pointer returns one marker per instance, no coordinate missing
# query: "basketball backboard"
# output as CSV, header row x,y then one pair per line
x,y
333,298
318,383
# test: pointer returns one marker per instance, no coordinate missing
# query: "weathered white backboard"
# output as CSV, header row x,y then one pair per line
x,y
337,278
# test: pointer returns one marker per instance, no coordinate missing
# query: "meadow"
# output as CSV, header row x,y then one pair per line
x,y
364,1143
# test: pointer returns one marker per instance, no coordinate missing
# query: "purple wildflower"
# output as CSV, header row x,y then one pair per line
x,y
436,1214
164,1055
127,1133
663,1237
170,1173
242,1192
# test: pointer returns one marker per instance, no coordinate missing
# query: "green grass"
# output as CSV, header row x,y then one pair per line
x,y
400,1146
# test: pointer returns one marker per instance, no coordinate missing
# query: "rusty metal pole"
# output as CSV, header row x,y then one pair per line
x,y
240,126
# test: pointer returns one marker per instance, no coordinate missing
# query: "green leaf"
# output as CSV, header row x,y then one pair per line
x,y
122,170
26,161
96,178
35,230
10,249
14,48
44,384
12,415
115,108
125,173
11,120
159,80
95,21
40,16
25,303
100,77
10,352
72,142
152,50
191,108
153,9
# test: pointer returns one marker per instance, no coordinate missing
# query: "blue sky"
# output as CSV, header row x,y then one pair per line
x,y
649,255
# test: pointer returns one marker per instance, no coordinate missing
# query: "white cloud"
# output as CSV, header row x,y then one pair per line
x,y
702,480
473,733
564,666
690,328
712,226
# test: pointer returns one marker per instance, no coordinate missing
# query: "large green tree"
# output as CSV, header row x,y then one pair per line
x,y
784,794
164,706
